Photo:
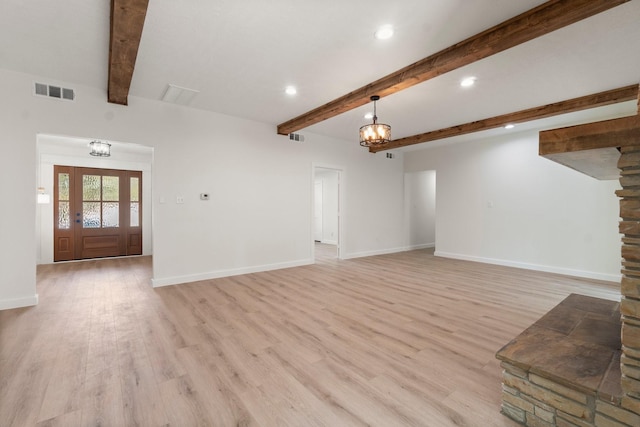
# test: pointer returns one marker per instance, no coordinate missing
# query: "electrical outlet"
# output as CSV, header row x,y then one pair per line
x,y
179,199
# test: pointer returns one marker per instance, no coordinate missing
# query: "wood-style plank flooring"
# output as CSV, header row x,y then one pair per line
x,y
406,339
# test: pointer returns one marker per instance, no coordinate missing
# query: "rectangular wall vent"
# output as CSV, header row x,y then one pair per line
x,y
68,94
41,89
296,137
51,91
55,92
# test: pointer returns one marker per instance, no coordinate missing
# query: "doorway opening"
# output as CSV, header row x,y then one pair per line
x,y
420,209
52,150
326,213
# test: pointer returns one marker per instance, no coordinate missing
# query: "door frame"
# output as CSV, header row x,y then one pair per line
x,y
318,225
341,208
103,242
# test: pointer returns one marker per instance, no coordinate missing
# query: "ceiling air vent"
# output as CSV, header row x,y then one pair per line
x,y
51,91
179,95
296,137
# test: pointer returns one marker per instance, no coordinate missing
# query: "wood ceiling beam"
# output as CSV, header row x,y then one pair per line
x,y
127,21
593,148
609,133
601,99
529,25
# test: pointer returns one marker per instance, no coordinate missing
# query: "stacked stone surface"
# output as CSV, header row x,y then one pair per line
x,y
629,165
564,370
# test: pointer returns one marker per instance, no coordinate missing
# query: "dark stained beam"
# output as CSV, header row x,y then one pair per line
x,y
529,25
127,21
609,133
601,99
593,148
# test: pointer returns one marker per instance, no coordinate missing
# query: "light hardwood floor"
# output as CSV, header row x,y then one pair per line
x,y
405,339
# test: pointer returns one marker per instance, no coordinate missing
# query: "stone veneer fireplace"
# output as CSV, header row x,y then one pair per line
x,y
579,365
565,368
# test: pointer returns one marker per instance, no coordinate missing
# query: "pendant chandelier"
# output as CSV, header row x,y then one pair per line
x,y
375,134
100,149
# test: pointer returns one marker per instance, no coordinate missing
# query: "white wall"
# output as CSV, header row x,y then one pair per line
x,y
261,186
420,209
499,202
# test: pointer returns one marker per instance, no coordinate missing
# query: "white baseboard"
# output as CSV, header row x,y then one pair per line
x,y
546,268
7,304
421,246
388,251
168,281
374,253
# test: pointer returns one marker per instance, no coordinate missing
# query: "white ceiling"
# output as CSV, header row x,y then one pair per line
x,y
240,55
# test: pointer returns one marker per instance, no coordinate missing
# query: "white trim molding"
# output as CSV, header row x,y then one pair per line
x,y
176,280
527,266
8,304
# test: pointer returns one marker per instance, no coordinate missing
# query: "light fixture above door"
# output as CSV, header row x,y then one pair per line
x,y
375,134
100,149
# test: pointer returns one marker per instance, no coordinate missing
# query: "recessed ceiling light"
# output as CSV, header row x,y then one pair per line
x,y
290,90
468,81
384,32
368,116
509,126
